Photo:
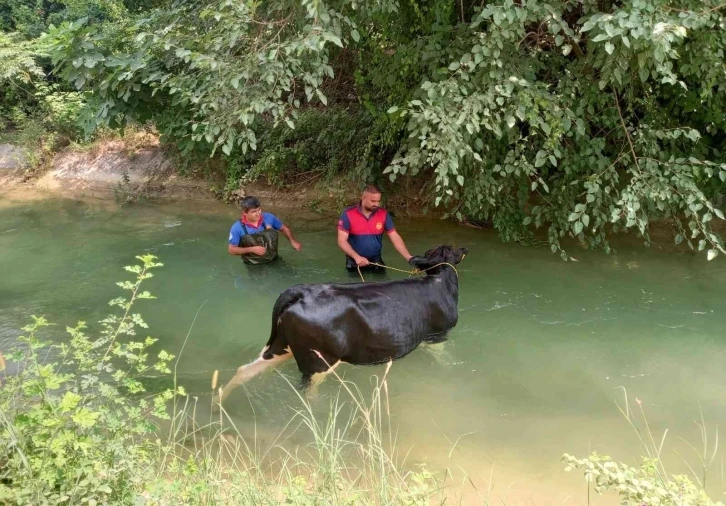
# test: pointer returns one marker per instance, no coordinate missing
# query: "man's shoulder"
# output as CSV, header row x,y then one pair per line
x,y
236,225
269,215
347,210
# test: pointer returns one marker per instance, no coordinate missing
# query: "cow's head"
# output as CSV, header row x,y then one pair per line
x,y
436,259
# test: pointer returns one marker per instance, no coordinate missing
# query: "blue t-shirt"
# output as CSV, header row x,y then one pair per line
x,y
237,230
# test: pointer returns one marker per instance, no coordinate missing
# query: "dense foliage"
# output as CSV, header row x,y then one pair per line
x,y
71,431
579,117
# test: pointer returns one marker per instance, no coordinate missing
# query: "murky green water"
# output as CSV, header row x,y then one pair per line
x,y
533,369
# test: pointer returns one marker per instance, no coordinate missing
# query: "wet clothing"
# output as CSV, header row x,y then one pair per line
x,y
351,266
365,234
244,234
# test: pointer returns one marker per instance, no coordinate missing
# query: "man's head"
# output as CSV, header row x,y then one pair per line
x,y
251,209
371,198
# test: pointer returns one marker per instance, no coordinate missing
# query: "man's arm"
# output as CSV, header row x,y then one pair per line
x,y
344,245
288,233
400,246
237,250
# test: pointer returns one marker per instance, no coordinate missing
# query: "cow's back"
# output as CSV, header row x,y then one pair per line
x,y
367,323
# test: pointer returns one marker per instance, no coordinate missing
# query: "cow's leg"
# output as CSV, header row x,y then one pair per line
x,y
312,363
436,348
248,371
317,379
437,338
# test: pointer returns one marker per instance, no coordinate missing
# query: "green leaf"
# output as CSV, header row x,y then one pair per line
x,y
510,121
69,402
718,212
527,220
322,97
454,66
460,180
588,25
578,227
392,109
334,39
609,48
712,253
85,418
355,35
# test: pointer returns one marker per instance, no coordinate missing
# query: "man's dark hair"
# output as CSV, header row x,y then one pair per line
x,y
249,202
371,188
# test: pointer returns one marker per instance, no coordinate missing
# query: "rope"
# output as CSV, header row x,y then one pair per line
x,y
411,272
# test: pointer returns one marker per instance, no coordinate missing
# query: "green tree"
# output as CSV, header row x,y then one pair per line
x,y
582,117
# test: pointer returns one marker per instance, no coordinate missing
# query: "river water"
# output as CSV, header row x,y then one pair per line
x,y
543,352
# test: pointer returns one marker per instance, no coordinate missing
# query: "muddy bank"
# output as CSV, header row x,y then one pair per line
x,y
139,168
13,164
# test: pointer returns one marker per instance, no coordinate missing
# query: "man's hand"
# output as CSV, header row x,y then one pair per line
x,y
258,250
361,261
296,245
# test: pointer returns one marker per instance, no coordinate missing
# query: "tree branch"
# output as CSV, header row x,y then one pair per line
x,y
707,11
625,129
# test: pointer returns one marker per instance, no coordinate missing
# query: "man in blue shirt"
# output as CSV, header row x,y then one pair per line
x,y
254,221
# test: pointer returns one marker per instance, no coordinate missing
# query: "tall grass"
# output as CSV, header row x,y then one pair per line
x,y
650,483
352,456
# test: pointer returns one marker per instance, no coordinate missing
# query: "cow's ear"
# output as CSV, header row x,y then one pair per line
x,y
460,254
419,262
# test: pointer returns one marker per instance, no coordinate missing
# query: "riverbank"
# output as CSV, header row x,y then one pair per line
x,y
138,168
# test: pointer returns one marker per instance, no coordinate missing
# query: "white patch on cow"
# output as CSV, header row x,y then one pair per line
x,y
317,379
249,371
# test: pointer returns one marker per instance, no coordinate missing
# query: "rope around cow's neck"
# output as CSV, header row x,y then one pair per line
x,y
411,272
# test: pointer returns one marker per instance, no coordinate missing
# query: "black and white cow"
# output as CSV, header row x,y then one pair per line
x,y
322,325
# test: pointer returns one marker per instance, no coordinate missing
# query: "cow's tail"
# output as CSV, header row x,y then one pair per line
x,y
277,343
